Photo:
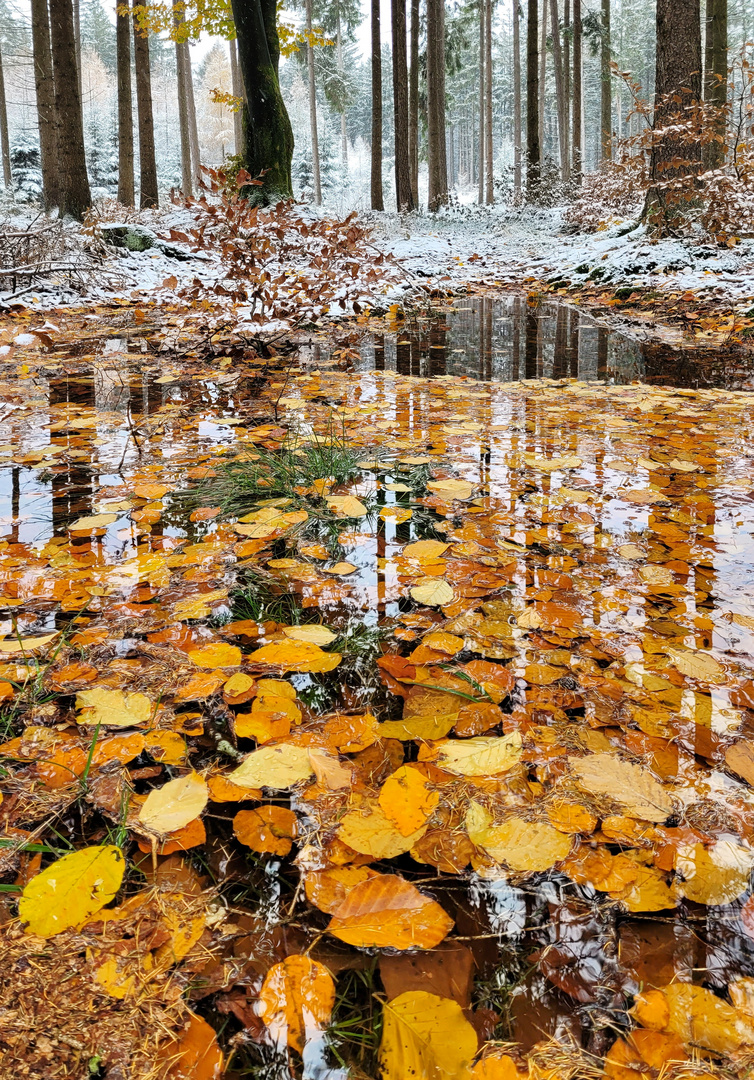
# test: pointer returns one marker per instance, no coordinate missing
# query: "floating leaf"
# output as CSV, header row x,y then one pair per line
x,y
697,665
340,569
385,911
522,845
451,489
295,656
267,829
113,708
216,655
27,645
715,875
327,889
697,1016
71,889
195,1055
96,521
434,592
175,804
425,1037
369,831
407,799
277,767
567,461
296,1001
482,756
638,793
425,551
314,633
346,506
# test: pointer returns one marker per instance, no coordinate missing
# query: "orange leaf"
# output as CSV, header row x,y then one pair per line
x,y
200,686
223,790
327,889
296,1000
217,655
77,672
191,835
388,912
267,829
194,1055
407,799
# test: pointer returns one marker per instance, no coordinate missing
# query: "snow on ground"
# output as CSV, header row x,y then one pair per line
x,y
493,246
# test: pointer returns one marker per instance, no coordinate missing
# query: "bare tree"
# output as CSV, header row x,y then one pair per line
x,y
606,101
196,162
543,79
716,71
403,194
47,118
377,198
125,109
74,195
4,136
148,194
560,93
187,184
413,101
237,87
517,134
533,149
313,107
489,190
482,110
436,146
577,91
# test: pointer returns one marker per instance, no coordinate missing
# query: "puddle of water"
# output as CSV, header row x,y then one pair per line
x,y
667,476
506,340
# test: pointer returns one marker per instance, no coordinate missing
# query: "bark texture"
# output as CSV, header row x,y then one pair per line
x,y
4,137
489,192
482,110
403,194
517,133
606,101
148,195
45,94
126,191
533,150
187,184
438,160
413,101
268,136
577,92
74,195
377,198
716,72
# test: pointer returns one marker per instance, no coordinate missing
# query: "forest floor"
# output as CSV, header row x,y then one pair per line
x,y
378,702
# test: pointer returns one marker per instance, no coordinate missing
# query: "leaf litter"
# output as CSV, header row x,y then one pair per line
x,y
484,690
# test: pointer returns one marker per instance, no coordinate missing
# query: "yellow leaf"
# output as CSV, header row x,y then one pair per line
x,y
314,633
26,645
635,790
482,756
113,708
425,1037
407,799
632,552
568,461
277,767
175,804
697,1016
347,506
434,592
216,655
71,889
451,489
500,1067
445,643
385,911
370,832
296,1001
425,550
522,845
697,665
715,875
295,656
398,514
340,569
96,521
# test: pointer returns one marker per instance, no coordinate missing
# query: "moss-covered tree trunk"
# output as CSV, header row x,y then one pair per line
x,y
268,136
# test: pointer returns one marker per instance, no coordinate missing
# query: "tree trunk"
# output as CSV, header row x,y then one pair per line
x,y
313,108
235,78
148,195
378,202
196,160
716,73
606,86
125,110
45,94
577,92
490,190
413,102
543,81
268,136
403,194
560,93
77,40
516,101
437,147
341,70
533,149
4,137
187,185
74,195
482,112
567,33
678,67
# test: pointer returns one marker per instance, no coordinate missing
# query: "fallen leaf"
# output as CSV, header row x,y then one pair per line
x,y
216,655
434,592
277,767
96,521
314,633
407,799
482,756
715,875
451,489
638,793
113,708
386,911
425,1037
71,889
175,804
346,506
194,1055
295,656
370,832
526,846
267,829
296,1001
